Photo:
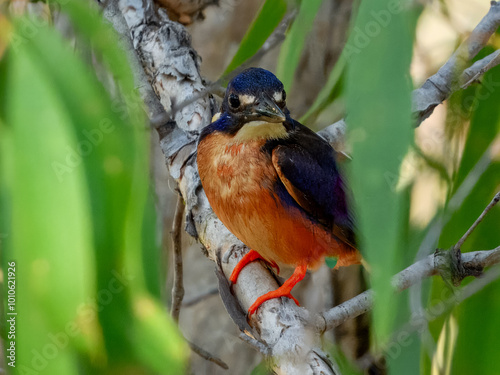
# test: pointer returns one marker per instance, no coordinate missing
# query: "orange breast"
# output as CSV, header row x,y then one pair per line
x,y
239,182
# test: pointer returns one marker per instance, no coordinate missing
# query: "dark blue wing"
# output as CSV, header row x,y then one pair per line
x,y
307,168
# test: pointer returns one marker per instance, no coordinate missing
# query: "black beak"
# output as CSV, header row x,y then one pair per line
x,y
267,110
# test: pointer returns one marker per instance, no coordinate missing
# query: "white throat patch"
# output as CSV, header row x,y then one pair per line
x,y
254,130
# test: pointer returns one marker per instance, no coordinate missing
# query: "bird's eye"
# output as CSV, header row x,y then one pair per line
x,y
234,101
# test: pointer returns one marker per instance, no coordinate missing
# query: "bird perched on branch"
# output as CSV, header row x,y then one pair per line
x,y
274,183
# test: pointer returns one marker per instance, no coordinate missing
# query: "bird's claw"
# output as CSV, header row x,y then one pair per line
x,y
249,257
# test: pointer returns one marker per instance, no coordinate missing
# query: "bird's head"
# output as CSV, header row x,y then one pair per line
x,y
254,107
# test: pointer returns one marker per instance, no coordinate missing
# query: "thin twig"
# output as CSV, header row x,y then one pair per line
x,y
206,355
178,288
478,220
421,318
199,298
440,86
413,274
476,70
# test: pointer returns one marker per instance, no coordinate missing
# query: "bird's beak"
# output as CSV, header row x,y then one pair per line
x,y
268,110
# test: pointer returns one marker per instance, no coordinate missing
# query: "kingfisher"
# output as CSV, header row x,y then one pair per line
x,y
274,183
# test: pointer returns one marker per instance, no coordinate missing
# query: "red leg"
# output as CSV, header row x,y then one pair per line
x,y
283,291
247,258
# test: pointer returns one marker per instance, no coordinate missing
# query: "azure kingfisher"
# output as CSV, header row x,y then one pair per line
x,y
274,183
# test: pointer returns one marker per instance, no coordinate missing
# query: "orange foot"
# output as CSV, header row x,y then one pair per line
x,y
283,291
248,258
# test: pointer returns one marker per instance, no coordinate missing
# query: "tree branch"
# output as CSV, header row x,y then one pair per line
x,y
415,273
420,318
448,78
476,70
178,287
451,77
209,357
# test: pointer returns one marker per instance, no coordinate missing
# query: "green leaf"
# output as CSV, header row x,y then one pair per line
x,y
270,15
158,338
49,237
291,49
77,161
379,118
474,350
327,93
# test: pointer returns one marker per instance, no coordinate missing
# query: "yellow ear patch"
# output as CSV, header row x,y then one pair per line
x,y
254,130
216,117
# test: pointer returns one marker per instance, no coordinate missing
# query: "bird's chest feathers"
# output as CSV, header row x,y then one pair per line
x,y
236,170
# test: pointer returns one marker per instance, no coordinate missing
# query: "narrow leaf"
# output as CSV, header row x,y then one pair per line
x,y
379,119
291,49
263,25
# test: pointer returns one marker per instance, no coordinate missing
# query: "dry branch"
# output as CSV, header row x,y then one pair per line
x,y
432,265
178,288
449,77
452,76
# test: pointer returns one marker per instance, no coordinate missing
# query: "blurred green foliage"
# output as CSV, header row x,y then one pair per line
x,y
75,208
291,50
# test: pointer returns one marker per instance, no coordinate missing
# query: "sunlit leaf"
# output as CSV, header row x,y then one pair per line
x,y
327,93
270,15
291,50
